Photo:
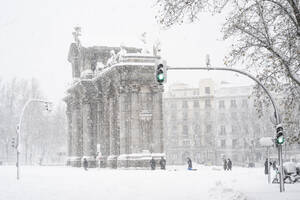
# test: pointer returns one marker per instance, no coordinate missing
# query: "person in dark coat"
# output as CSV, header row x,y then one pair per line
x,y
85,164
274,165
189,162
162,163
266,166
152,163
229,164
225,164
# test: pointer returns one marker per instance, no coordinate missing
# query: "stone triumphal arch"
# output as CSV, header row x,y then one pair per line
x,y
114,107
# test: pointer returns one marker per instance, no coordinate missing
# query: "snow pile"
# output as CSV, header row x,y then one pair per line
x,y
222,192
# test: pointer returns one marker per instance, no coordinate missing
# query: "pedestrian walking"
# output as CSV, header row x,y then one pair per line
x,y
85,164
266,166
274,165
152,163
189,162
229,164
225,165
162,163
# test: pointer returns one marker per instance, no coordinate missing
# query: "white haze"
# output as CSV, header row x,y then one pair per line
x,y
35,37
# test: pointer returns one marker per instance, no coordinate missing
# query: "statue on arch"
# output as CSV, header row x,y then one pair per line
x,y
112,60
145,49
157,48
121,53
75,52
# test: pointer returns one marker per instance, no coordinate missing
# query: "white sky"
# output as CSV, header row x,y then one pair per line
x,y
35,36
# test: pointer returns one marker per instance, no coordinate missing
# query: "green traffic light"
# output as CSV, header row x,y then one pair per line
x,y
160,77
280,140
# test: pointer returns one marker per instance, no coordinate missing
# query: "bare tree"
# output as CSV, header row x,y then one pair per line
x,y
44,134
267,41
268,29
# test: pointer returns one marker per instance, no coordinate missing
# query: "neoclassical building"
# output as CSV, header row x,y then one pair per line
x,y
114,107
212,122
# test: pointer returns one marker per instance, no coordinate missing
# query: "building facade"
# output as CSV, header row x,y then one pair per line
x,y
213,122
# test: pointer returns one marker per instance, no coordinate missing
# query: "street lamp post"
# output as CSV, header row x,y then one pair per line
x,y
19,128
277,115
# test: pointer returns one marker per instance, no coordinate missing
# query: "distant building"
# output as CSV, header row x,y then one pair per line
x,y
212,122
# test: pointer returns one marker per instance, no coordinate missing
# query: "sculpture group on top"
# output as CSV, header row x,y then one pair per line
x,y
86,62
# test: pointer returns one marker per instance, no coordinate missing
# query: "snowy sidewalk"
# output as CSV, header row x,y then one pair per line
x,y
177,183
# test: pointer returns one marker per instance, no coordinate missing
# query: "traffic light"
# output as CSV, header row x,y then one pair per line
x,y
161,71
13,142
279,134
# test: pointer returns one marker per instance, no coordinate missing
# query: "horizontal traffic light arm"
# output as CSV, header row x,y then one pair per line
x,y
277,116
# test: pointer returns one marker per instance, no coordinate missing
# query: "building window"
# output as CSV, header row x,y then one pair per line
x,y
196,104
173,106
174,116
207,115
197,141
234,115
196,92
196,116
223,143
186,142
185,104
234,129
246,129
185,131
184,115
245,103
223,130
207,103
207,90
234,143
222,104
174,142
233,104
222,116
208,128
196,128
244,115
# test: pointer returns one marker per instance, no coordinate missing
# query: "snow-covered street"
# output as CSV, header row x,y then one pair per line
x,y
176,183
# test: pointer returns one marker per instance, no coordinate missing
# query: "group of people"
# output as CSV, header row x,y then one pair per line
x,y
227,164
271,164
162,163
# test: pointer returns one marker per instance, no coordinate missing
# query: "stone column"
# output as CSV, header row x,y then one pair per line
x,y
88,132
114,127
101,131
135,126
77,135
123,121
94,123
106,128
69,139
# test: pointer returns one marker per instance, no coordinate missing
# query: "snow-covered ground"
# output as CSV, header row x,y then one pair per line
x,y
176,183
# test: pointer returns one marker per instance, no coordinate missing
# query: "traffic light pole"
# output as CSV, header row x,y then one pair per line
x,y
18,146
277,116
